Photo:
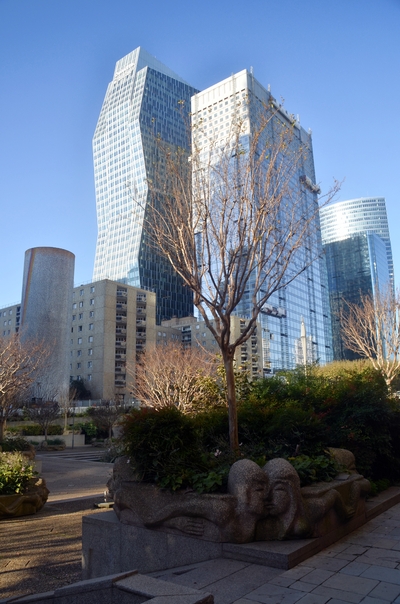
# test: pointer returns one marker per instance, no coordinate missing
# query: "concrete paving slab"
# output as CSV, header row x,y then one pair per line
x,y
385,591
359,585
389,575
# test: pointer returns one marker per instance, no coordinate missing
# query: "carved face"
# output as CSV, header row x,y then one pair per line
x,y
257,493
279,499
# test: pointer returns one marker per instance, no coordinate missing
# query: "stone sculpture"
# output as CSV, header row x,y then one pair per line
x,y
261,504
24,504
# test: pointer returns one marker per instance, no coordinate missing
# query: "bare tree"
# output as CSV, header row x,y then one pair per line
x,y
234,220
43,413
171,376
106,414
19,366
371,329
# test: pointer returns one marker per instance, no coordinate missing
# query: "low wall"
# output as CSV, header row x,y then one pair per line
x,y
79,439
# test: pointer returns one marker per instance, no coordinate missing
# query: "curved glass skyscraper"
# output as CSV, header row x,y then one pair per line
x,y
144,101
355,236
364,215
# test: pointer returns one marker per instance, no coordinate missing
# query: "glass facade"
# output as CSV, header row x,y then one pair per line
x,y
366,214
306,298
357,265
145,100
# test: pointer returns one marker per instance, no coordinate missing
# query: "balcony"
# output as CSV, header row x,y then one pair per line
x,y
120,357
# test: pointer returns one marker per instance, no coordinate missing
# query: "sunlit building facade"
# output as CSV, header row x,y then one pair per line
x,y
356,241
144,101
363,215
214,110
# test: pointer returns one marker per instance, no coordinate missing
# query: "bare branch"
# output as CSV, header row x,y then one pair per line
x,y
371,329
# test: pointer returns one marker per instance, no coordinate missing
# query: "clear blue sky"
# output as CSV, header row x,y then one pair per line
x,y
336,63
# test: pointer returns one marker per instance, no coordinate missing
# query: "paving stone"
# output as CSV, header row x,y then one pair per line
x,y
289,577
339,594
202,574
241,584
274,594
369,600
371,540
385,591
357,550
336,601
320,561
390,575
355,568
313,599
301,586
356,584
318,576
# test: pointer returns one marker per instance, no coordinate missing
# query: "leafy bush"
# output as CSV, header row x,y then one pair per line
x,y
163,446
15,473
14,444
295,416
36,430
55,441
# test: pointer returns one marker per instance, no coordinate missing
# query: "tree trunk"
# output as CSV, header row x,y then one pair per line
x,y
2,428
231,400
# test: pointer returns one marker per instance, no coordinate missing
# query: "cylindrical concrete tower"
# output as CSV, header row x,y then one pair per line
x,y
46,313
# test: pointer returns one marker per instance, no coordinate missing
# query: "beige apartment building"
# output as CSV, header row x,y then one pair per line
x,y
191,332
111,324
10,320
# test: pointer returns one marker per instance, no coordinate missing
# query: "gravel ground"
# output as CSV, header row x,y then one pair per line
x,y
42,552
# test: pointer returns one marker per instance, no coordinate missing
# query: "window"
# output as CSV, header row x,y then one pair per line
x,y
90,351
73,317
80,316
72,341
89,377
79,327
78,365
90,364
81,304
74,305
72,329
79,340
10,312
91,314
92,289
91,326
79,353
81,292
91,301
90,339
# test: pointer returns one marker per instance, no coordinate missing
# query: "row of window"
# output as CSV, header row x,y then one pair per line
x,y
74,305
80,327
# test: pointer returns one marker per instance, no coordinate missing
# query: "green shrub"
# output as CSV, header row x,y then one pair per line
x,y
55,441
14,444
15,473
36,430
163,446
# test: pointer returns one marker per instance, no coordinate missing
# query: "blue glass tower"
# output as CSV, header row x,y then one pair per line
x,y
303,301
144,101
357,266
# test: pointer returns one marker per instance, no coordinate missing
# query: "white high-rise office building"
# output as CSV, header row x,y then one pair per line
x,y
144,101
306,298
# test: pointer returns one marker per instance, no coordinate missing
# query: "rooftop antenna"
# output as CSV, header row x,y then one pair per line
x,y
269,87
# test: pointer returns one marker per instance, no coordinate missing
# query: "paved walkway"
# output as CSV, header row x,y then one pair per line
x,y
362,567
71,473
